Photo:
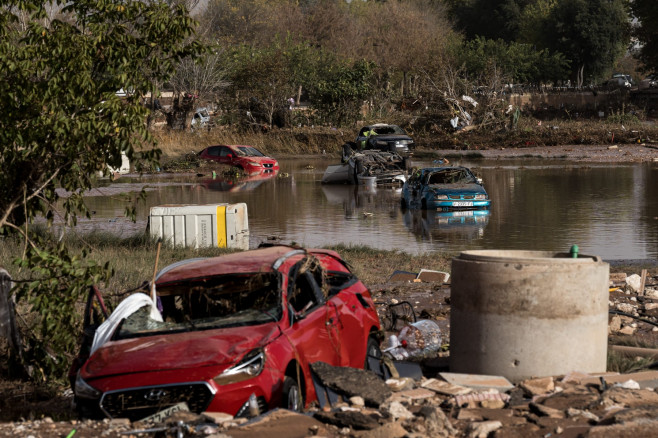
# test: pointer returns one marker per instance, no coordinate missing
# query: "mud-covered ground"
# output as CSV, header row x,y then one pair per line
x,y
571,153
570,406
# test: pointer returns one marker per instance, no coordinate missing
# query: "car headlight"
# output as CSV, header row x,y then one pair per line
x,y
437,196
255,164
480,197
251,365
84,390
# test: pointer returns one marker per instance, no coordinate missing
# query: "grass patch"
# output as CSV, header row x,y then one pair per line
x,y
374,266
133,259
632,341
632,266
621,363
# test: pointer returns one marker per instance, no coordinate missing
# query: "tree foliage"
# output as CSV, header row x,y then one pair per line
x,y
62,121
491,19
521,63
646,32
262,79
592,34
342,89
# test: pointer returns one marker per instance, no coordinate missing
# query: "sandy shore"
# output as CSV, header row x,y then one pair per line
x,y
578,153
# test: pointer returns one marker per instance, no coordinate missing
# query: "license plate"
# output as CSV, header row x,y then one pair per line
x,y
462,213
462,204
159,417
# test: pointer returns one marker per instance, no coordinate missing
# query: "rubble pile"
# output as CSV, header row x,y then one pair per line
x,y
570,406
440,403
633,305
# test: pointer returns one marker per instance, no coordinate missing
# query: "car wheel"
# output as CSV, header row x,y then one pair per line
x,y
292,396
373,355
403,203
423,204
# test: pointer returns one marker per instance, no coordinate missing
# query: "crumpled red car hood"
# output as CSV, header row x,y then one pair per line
x,y
177,351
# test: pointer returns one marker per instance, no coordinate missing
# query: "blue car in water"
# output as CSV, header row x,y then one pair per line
x,y
447,188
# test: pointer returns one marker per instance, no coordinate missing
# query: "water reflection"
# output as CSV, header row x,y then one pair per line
x,y
361,199
463,226
608,210
224,184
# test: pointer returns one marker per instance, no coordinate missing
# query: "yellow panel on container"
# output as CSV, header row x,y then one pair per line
x,y
221,226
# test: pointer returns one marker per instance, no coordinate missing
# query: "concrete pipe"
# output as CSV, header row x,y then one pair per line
x,y
523,314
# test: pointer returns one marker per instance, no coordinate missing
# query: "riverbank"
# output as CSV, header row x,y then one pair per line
x,y
531,136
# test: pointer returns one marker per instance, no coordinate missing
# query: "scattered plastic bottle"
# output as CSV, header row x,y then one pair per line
x,y
421,339
394,348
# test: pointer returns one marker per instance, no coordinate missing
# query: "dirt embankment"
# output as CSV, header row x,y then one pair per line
x,y
531,136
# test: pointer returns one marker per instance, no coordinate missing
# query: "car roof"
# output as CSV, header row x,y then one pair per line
x,y
232,146
427,170
380,125
266,259
258,260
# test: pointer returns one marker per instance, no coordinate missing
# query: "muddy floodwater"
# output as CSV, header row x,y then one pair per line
x,y
607,209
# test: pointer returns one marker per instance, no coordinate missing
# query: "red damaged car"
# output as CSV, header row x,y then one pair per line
x,y
247,158
243,324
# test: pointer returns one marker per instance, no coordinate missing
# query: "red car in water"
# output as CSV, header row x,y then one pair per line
x,y
247,158
234,327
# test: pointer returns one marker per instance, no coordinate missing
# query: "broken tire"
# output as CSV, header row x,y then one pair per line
x,y
292,395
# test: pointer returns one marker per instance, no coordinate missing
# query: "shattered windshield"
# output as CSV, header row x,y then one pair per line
x,y
202,304
248,151
451,176
390,129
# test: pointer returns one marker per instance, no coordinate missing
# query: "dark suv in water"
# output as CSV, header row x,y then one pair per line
x,y
383,137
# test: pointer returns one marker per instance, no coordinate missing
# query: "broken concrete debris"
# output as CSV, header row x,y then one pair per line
x,y
350,382
568,407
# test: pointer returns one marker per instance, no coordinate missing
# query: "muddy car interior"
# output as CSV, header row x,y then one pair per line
x,y
224,301
452,176
306,291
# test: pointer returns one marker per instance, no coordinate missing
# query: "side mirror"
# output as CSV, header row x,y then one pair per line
x,y
229,156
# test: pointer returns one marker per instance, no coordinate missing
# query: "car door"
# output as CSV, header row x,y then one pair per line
x,y
226,155
347,310
311,332
213,152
